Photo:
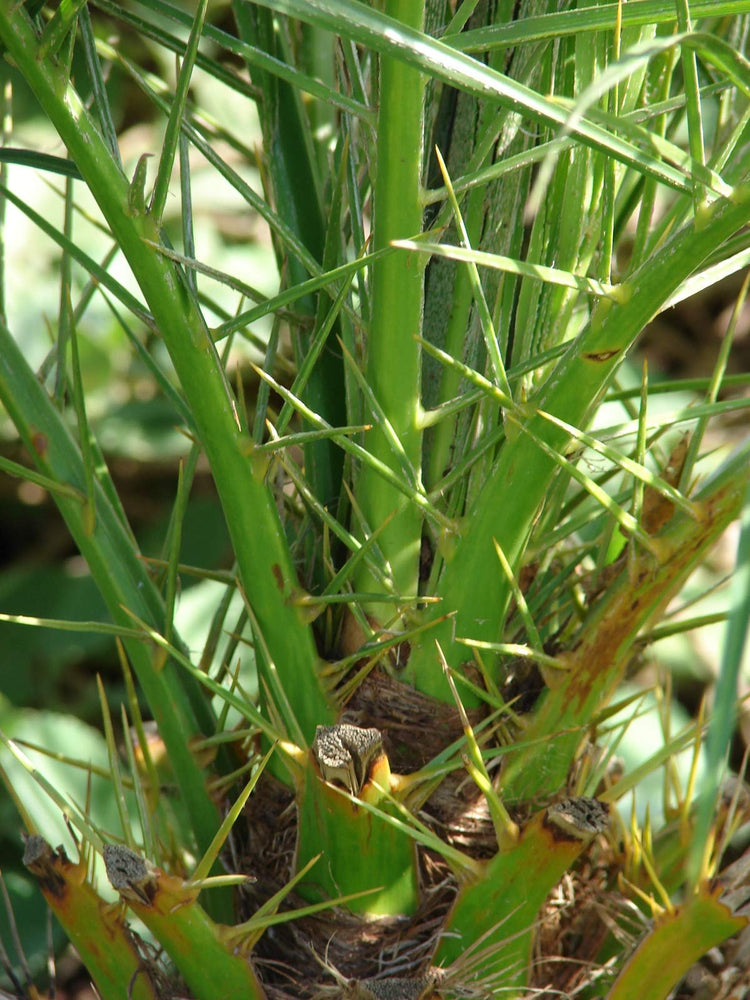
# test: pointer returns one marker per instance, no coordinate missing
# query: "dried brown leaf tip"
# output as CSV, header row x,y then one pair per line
x,y
579,818
129,874
47,866
345,754
421,988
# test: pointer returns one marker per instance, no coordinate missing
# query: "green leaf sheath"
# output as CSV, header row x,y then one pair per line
x,y
596,663
118,969
502,906
360,851
674,943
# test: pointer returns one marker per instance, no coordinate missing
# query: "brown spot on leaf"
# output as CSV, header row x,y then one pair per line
x,y
658,509
39,443
601,356
278,576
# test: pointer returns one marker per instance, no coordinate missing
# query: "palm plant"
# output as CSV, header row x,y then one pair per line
x,y
445,558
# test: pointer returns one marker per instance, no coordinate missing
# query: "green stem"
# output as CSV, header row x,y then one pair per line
x,y
261,551
394,357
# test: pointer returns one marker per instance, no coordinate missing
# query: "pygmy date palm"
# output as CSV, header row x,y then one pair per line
x,y
456,513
